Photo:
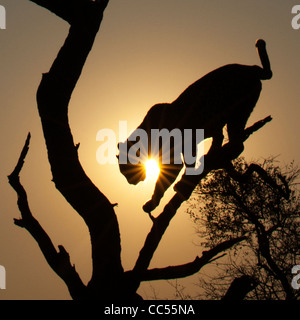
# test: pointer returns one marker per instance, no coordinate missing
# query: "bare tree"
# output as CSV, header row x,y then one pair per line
x,y
109,280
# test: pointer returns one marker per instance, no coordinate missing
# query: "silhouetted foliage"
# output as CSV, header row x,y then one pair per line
x,y
267,215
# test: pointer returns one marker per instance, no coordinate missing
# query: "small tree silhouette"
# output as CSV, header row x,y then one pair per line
x,y
109,280
268,215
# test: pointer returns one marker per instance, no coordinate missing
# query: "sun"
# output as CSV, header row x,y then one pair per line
x,y
152,169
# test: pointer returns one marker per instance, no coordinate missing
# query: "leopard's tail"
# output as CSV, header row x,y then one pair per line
x,y
266,72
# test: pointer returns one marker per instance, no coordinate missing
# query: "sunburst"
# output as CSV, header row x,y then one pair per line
x,y
152,169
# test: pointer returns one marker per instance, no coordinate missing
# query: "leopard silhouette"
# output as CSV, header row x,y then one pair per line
x,y
225,96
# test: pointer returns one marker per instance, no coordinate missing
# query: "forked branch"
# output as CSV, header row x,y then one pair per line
x,y
188,269
59,260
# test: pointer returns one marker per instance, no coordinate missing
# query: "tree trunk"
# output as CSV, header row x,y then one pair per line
x,y
53,98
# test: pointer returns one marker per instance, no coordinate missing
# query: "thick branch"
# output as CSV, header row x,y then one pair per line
x,y
58,261
239,288
184,189
188,269
71,11
158,229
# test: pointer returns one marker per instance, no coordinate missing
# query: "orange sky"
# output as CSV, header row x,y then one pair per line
x,y
146,52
